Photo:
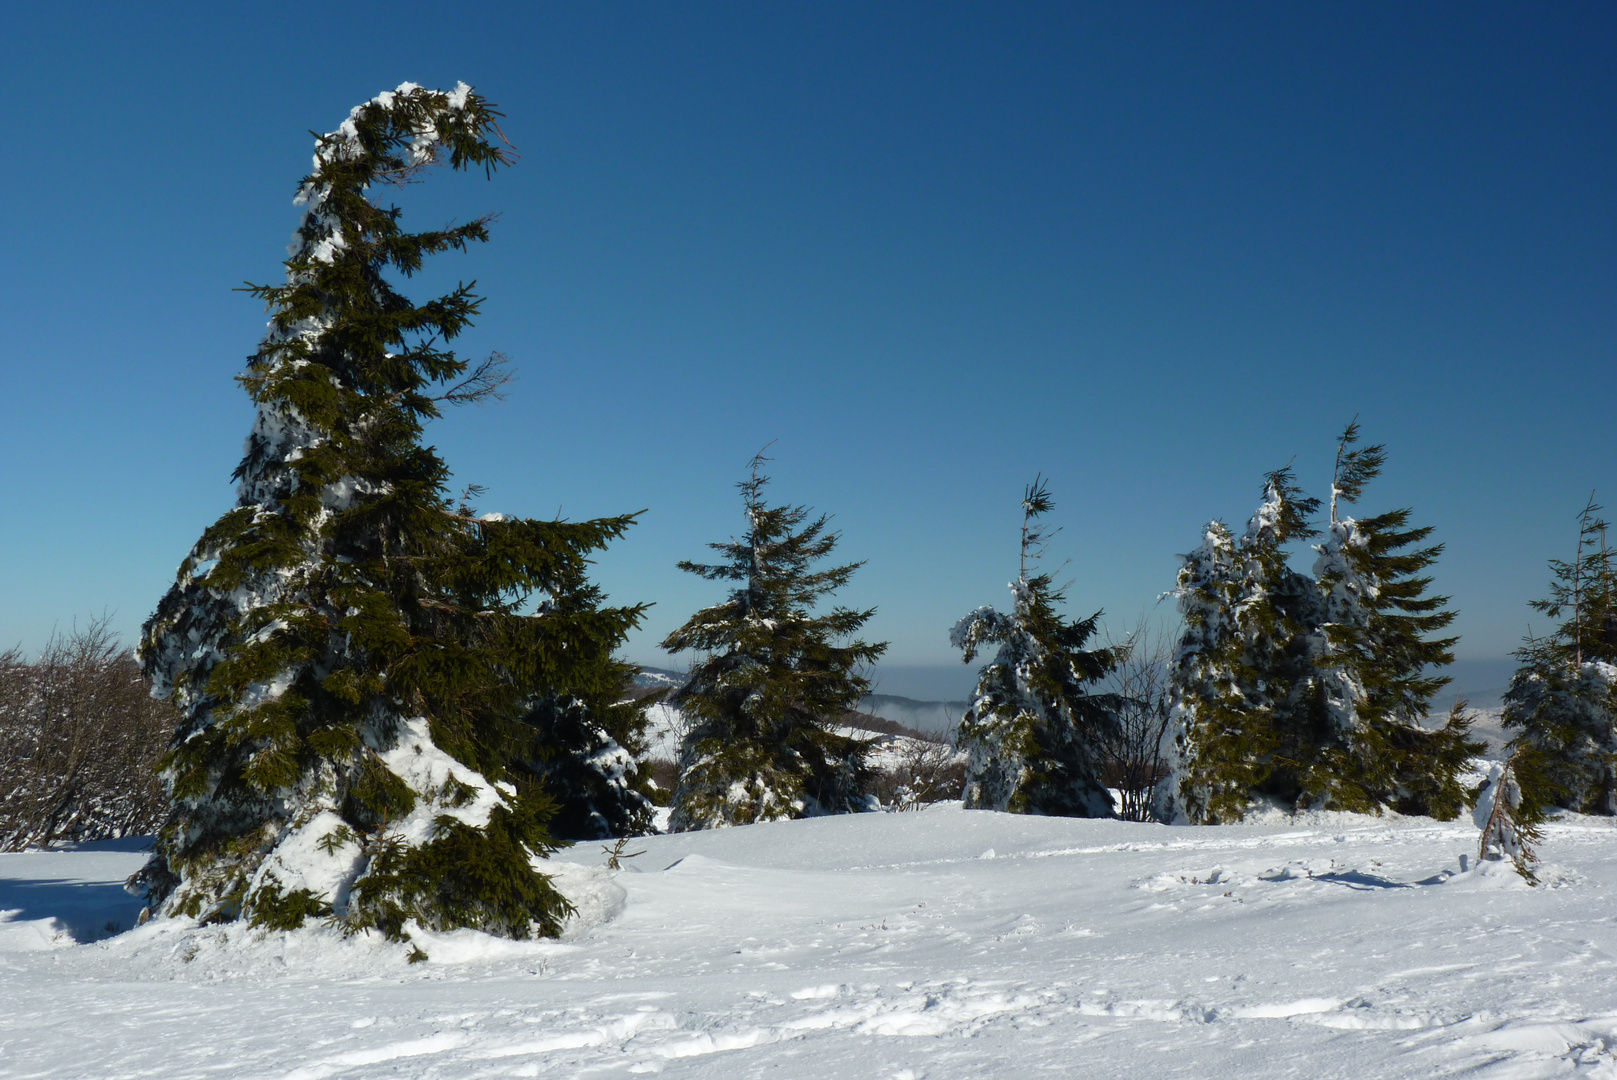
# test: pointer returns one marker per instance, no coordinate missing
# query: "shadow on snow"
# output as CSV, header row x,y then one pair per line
x,y
85,910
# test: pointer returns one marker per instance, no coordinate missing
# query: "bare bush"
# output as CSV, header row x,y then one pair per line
x,y
1135,759
926,772
79,743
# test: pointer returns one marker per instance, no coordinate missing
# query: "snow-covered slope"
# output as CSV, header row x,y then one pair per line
x,y
936,944
1487,725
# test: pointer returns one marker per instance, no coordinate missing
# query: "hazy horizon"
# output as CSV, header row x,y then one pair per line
x,y
1476,680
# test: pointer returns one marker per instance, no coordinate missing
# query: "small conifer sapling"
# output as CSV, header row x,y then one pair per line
x,y
1511,810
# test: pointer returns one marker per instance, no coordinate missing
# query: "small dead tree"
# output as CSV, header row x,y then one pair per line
x,y
79,742
615,854
1134,756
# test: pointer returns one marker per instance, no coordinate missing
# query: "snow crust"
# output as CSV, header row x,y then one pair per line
x,y
938,944
301,861
416,760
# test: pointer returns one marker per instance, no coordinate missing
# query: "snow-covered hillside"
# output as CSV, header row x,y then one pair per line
x,y
1487,725
938,944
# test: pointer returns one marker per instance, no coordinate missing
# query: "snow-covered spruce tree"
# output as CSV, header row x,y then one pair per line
x,y
1208,706
1376,660
764,704
1243,678
347,647
1510,811
1034,735
589,741
1562,701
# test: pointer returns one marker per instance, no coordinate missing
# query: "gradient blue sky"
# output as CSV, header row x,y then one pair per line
x,y
1149,250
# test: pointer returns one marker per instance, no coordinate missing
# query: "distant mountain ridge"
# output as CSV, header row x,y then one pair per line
x,y
935,718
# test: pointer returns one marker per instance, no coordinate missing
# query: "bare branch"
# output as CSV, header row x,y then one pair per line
x,y
79,739
1135,760
487,382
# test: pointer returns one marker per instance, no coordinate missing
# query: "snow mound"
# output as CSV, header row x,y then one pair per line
x,y
877,945
594,894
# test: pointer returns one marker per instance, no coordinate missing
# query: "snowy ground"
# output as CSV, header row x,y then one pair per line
x,y
938,944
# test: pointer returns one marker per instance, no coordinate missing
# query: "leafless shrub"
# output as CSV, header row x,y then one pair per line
x,y
1135,759
926,772
79,742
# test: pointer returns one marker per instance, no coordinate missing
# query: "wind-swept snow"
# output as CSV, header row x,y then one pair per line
x,y
938,944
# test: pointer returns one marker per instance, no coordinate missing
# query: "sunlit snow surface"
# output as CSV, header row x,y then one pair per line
x,y
939,944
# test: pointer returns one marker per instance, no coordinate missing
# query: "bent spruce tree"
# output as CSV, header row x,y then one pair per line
x,y
347,647
1035,736
1378,663
1312,692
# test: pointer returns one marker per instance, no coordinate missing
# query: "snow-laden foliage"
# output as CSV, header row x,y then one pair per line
x,y
1242,678
1562,701
348,647
1569,715
1034,735
776,681
1510,812
1312,691
598,783
1376,664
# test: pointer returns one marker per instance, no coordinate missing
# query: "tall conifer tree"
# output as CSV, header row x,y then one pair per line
x,y
776,680
348,647
1034,734
1562,701
1377,659
1305,691
1241,684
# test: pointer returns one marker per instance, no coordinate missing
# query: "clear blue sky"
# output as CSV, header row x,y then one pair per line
x,y
1149,250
